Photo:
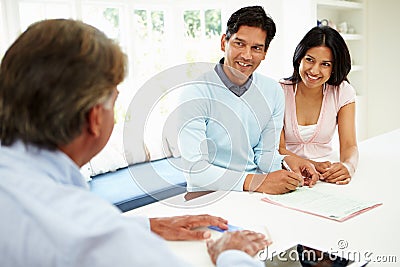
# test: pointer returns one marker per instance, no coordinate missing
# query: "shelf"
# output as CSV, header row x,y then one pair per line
x,y
349,17
339,4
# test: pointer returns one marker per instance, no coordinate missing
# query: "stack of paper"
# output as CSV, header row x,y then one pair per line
x,y
331,206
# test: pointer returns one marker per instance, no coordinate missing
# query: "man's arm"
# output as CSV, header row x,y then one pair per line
x,y
199,171
194,114
267,155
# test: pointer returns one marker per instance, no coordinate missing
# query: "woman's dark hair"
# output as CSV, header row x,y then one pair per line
x,y
253,16
329,37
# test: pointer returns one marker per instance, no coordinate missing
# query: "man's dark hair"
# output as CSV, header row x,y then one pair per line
x,y
253,16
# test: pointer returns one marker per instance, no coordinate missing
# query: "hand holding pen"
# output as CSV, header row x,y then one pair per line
x,y
303,168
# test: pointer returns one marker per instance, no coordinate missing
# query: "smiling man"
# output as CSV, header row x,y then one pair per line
x,y
244,51
230,120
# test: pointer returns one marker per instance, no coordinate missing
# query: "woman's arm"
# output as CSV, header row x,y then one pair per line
x,y
341,172
347,137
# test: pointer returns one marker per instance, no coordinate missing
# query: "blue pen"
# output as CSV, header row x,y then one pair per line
x,y
231,228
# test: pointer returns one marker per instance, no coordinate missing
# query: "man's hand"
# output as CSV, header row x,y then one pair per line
x,y
321,167
304,168
247,241
181,227
278,182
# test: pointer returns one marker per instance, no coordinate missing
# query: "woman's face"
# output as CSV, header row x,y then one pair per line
x,y
316,66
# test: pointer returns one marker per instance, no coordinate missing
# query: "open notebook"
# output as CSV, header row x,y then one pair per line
x,y
328,205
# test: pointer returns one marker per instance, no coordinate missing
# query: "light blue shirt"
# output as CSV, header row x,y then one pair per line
x,y
50,218
223,137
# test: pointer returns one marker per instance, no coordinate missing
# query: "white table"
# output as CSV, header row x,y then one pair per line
x,y
375,233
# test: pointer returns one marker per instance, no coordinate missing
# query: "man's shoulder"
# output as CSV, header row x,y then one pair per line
x,y
203,82
262,80
267,84
201,87
210,76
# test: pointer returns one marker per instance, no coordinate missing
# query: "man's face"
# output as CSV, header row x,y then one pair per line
x,y
244,52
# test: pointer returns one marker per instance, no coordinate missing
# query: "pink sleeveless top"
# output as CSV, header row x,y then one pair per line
x,y
320,143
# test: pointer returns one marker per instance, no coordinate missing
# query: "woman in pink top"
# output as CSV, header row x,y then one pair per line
x,y
318,98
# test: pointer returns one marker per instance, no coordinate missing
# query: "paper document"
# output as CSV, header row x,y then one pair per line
x,y
331,206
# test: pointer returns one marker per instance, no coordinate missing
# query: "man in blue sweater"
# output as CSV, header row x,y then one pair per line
x,y
231,119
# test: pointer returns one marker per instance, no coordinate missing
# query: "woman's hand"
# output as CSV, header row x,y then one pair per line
x,y
338,173
322,167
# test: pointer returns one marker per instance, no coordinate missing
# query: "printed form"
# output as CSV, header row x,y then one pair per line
x,y
327,205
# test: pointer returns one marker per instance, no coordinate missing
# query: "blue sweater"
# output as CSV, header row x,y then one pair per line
x,y
223,137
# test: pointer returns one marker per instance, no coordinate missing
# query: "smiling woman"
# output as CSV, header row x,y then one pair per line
x,y
319,98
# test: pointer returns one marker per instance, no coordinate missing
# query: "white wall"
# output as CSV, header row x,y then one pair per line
x,y
383,69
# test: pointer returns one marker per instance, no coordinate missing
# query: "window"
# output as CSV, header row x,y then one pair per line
x,y
149,51
192,23
104,17
212,19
